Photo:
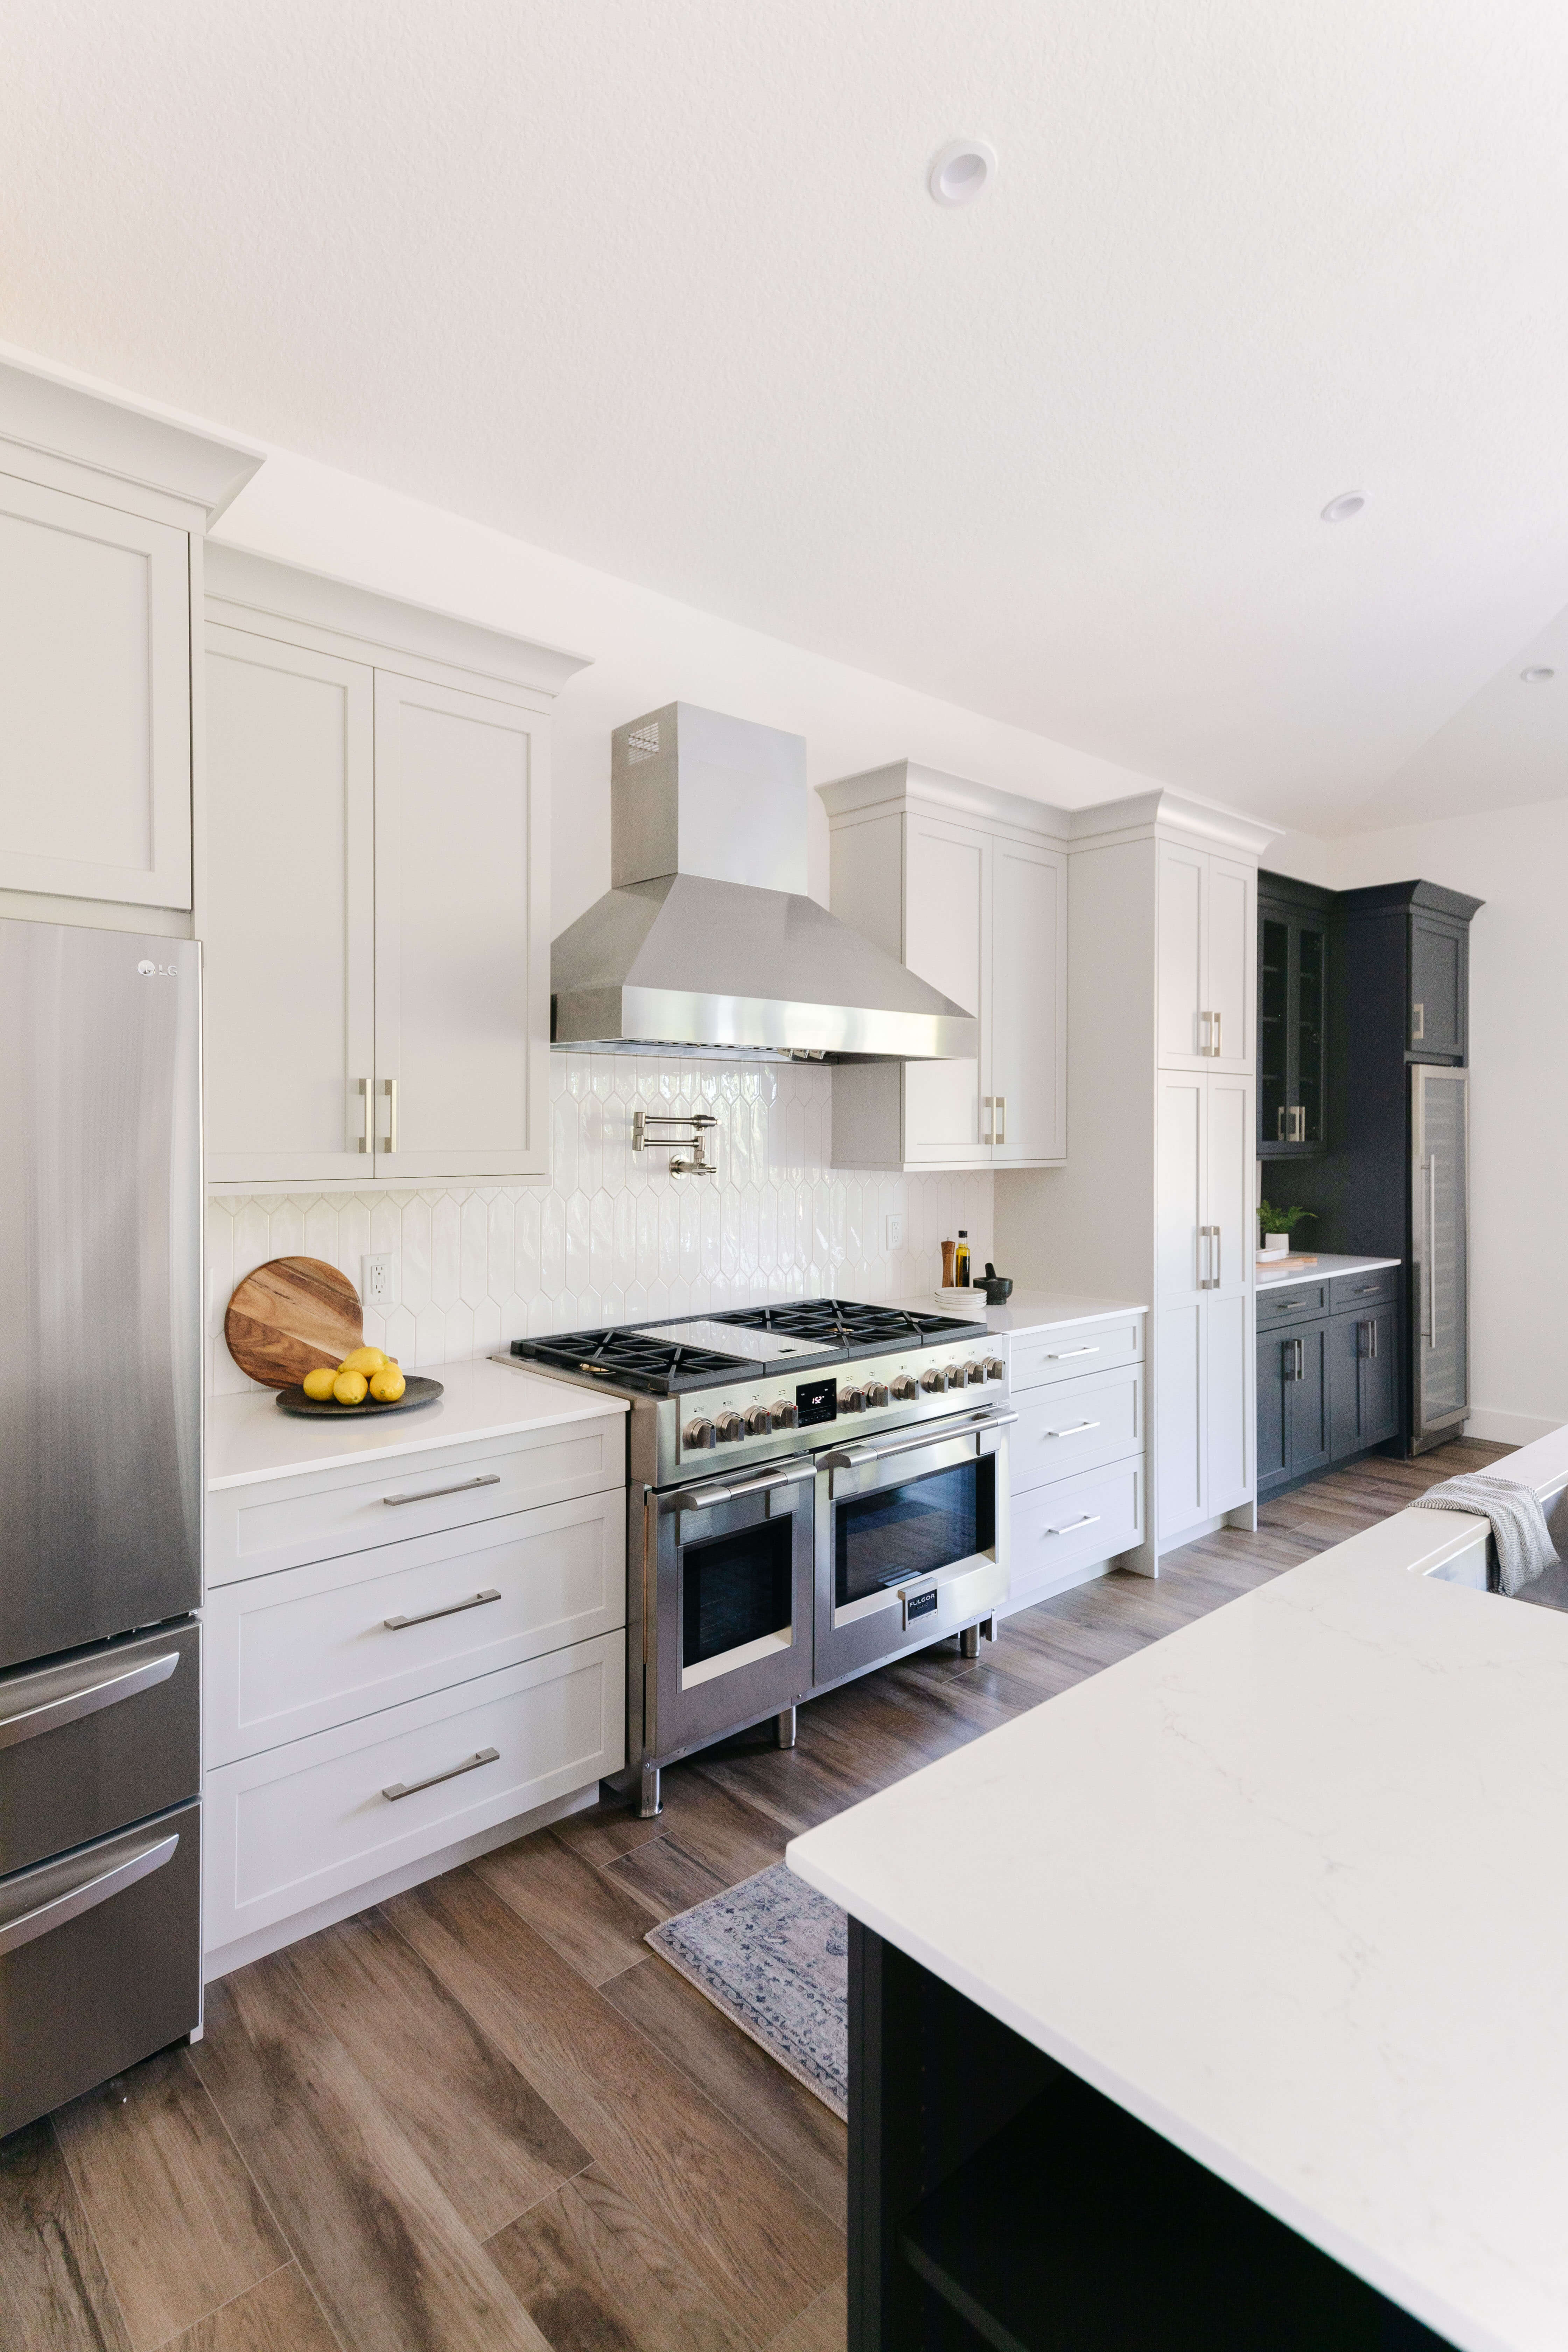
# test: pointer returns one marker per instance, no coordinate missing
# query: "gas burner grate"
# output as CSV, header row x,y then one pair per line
x,y
627,1357
857,1326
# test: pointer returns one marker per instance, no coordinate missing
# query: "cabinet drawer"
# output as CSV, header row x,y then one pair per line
x,y
284,1522
1077,1425
300,1652
312,1820
1040,1356
1354,1294
1291,1302
1073,1523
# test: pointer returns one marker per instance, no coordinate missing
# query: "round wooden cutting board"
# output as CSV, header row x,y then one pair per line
x,y
290,1315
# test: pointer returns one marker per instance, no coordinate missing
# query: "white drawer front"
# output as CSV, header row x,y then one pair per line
x,y
296,1653
1074,1523
308,1821
1077,1425
1038,1357
283,1522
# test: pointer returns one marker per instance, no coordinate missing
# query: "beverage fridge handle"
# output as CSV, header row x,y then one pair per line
x,y
1432,1251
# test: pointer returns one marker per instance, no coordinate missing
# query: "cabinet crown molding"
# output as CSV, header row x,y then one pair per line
x,y
377,623
1169,815
60,420
906,779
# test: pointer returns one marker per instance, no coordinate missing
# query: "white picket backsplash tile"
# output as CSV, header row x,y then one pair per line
x,y
614,1238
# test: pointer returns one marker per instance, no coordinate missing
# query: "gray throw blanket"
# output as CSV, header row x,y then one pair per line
x,y
1520,1542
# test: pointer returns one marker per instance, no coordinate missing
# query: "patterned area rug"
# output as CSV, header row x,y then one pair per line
x,y
773,1955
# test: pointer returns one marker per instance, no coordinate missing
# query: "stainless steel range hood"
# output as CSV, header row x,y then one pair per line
x,y
707,942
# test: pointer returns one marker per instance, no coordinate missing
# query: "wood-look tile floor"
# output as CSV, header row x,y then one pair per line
x,y
483,2117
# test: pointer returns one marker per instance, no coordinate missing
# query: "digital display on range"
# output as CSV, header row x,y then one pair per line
x,y
817,1400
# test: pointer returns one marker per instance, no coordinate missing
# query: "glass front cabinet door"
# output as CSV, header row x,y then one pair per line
x,y
1292,1023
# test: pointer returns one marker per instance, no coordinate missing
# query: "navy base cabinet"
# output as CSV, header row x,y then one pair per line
x,y
1327,1383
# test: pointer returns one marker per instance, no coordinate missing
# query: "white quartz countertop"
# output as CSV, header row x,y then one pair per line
x,y
1288,1884
248,1439
1326,1269
1028,1310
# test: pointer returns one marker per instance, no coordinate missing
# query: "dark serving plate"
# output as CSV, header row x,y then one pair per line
x,y
417,1391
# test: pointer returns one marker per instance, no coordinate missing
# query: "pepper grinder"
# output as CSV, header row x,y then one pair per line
x,y
947,1250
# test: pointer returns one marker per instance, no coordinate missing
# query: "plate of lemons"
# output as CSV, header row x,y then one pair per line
x,y
365,1382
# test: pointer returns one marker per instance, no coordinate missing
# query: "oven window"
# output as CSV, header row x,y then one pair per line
x,y
906,1531
735,1590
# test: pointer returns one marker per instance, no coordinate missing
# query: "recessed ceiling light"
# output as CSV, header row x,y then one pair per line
x,y
1348,503
960,170
1537,677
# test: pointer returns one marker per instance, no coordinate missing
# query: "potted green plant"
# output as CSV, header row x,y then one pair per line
x,y
1276,1226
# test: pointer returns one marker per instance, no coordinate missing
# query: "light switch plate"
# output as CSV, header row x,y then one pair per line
x,y
892,1232
378,1279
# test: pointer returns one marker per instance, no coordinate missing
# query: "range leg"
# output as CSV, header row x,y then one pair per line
x,y
649,1802
783,1728
969,1641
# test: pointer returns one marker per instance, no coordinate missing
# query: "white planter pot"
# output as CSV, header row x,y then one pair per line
x,y
1275,1245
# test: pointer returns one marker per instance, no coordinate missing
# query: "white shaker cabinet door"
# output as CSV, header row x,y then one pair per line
x,y
95,701
289,926
1180,1471
947,941
1181,909
1230,1165
1183,1253
462,934
1230,957
1028,1005
1229,1374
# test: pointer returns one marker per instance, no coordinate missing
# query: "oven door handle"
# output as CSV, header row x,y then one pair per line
x,y
855,1457
708,1498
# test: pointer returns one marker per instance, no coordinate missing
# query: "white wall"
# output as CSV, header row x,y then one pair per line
x,y
645,650
1516,860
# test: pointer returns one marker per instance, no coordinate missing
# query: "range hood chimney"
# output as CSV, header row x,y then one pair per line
x,y
707,944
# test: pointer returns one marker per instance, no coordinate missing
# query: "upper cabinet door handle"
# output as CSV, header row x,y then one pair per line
x,y
1417,1024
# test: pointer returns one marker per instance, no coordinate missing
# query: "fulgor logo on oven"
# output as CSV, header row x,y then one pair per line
x,y
920,1604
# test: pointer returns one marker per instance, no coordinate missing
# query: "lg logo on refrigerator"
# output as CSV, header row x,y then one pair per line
x,y
147,969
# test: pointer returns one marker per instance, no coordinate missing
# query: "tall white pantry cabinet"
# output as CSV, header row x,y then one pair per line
x,y
1155,1202
376,886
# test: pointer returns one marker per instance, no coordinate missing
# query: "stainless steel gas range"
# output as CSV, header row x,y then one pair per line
x,y
815,1488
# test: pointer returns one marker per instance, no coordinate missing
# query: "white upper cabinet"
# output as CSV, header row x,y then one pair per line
x,y
1206,917
967,888
376,905
289,912
462,935
101,515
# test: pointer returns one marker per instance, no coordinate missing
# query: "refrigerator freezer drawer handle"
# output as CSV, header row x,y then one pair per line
x,y
46,1917
469,1764
434,1494
71,1705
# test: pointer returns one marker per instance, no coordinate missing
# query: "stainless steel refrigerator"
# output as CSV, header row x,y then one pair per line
x,y
1439,1251
100,1503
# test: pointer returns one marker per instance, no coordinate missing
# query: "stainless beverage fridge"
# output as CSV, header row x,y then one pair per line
x,y
101,1500
1439,1256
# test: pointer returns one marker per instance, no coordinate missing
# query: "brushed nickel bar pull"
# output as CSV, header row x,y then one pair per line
x,y
1279,1134
400,1789
1216,1049
1071,1430
1219,1233
70,1705
365,1115
1002,1119
392,1114
1090,1519
1372,1333
434,1494
988,1103
28,1926
1363,1288
1417,1024
1060,1355
452,1609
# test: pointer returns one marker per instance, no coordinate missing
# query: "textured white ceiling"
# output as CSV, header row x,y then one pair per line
x,y
658,286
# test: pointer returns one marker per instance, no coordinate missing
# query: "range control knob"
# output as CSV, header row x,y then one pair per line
x,y
851,1400
781,1414
877,1393
953,1374
995,1369
699,1433
974,1374
759,1421
731,1428
932,1381
905,1387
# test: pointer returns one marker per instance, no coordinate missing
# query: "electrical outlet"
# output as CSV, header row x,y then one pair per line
x,y
378,1279
893,1232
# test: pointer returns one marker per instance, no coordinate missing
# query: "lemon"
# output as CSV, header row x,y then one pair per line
x,y
387,1386
318,1383
349,1388
364,1359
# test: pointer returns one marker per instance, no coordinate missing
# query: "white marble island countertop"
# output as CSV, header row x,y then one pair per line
x,y
1288,1886
1324,1268
248,1439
